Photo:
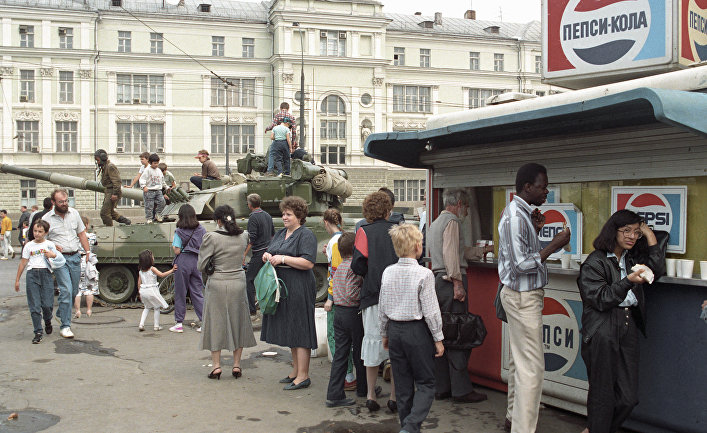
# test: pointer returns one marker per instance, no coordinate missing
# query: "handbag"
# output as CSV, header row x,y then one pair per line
x,y
462,331
209,267
267,289
500,312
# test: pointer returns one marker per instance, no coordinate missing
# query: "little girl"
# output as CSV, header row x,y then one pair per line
x,y
149,289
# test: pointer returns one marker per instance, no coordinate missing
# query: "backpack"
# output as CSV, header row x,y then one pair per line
x,y
267,289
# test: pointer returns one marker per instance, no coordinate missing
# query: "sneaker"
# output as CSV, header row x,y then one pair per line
x,y
141,328
148,222
198,329
3,258
158,218
177,328
158,328
37,338
48,328
66,333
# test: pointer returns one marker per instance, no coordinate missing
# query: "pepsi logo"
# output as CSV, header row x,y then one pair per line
x,y
653,208
697,28
560,335
595,33
554,221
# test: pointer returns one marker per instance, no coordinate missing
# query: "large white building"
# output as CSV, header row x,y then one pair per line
x,y
142,75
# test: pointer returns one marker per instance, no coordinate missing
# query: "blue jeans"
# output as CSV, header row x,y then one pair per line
x,y
154,203
40,297
67,277
279,157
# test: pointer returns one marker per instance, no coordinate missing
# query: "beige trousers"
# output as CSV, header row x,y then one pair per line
x,y
527,362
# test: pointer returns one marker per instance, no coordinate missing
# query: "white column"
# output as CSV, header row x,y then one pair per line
x,y
288,40
85,138
168,134
354,129
355,38
435,97
46,34
7,124
168,103
85,36
312,136
377,46
7,32
312,45
45,76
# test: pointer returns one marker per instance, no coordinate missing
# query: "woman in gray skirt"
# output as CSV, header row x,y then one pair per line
x,y
226,323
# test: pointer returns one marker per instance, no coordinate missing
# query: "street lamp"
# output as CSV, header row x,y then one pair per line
x,y
228,167
301,91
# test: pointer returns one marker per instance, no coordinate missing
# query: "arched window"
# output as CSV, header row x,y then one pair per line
x,y
332,134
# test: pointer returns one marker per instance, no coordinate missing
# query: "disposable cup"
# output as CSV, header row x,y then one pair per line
x,y
703,269
686,267
565,259
670,267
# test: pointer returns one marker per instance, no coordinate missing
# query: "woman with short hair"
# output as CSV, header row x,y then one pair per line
x,y
293,252
227,323
614,310
186,244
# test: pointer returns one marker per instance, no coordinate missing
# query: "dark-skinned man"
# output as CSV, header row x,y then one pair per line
x,y
110,179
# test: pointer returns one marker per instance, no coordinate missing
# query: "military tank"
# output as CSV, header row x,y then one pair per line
x,y
118,246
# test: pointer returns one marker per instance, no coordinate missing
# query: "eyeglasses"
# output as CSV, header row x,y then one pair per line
x,y
628,233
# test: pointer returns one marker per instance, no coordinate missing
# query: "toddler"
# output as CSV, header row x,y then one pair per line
x,y
149,289
88,283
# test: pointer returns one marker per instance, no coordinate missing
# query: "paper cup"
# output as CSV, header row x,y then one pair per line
x,y
686,267
670,267
565,259
703,269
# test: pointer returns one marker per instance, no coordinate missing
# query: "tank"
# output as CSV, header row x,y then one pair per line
x,y
118,246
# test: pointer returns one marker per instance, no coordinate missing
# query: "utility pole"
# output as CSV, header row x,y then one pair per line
x,y
301,92
228,145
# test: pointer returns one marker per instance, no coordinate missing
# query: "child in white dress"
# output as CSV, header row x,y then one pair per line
x,y
149,289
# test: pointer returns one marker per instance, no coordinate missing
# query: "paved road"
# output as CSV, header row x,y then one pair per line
x,y
111,378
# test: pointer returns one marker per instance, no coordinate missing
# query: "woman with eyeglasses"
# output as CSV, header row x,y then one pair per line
x,y
614,311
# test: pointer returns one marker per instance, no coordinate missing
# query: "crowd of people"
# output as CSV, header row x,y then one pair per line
x,y
383,305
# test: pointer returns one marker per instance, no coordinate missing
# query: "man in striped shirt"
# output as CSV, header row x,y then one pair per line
x,y
522,270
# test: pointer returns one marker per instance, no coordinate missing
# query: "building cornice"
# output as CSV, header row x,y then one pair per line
x,y
461,38
410,70
328,60
112,55
318,19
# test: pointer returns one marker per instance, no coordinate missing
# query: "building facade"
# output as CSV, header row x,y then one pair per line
x,y
142,75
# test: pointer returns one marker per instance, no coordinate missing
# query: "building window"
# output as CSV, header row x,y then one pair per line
x,y
26,85
538,64
28,193
125,202
124,41
412,99
156,43
333,154
66,136
498,62
140,89
540,93
333,130
333,105
218,45
366,99
240,137
28,136
332,43
66,38
240,94
138,137
66,87
27,36
477,97
409,190
72,197
398,56
424,58
474,62
249,47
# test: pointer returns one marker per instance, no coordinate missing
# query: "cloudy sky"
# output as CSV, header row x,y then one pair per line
x,y
489,10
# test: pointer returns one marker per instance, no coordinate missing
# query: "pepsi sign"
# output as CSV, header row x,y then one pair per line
x,y
693,31
663,208
561,336
557,216
600,36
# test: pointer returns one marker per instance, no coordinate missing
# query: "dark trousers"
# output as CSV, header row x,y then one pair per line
x,y
412,351
187,275
108,213
451,369
348,332
280,152
40,297
611,357
196,180
256,262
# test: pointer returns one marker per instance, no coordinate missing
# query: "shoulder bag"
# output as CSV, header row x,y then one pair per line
x,y
462,331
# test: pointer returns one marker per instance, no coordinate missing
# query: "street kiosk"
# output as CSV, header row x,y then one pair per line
x,y
639,144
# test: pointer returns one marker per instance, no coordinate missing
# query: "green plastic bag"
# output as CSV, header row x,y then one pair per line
x,y
267,289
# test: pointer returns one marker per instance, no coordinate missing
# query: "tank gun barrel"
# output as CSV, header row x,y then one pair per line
x,y
67,180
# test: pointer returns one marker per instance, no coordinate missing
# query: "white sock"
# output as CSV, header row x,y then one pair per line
x,y
157,317
144,316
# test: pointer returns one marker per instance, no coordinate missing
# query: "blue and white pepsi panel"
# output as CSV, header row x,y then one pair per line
x,y
593,42
553,195
662,207
557,216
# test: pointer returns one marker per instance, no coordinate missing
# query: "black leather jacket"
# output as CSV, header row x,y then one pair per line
x,y
602,288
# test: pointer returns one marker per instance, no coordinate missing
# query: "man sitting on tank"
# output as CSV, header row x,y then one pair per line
x,y
208,169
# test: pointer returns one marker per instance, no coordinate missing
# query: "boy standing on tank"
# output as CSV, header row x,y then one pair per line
x,y
151,183
281,148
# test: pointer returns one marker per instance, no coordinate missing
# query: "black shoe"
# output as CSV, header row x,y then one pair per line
x,y
48,328
372,405
214,375
37,338
293,386
236,372
442,395
286,379
378,392
123,220
342,402
392,406
472,397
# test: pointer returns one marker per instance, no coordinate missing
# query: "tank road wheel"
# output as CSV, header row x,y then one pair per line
x,y
322,283
167,291
116,283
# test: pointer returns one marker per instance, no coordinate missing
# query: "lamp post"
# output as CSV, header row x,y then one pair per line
x,y
228,167
301,92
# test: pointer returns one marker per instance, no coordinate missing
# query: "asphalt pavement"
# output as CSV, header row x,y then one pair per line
x,y
112,378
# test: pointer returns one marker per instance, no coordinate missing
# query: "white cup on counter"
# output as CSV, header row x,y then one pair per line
x,y
686,267
671,267
703,269
565,260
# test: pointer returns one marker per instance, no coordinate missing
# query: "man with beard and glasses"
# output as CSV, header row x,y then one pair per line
x,y
68,232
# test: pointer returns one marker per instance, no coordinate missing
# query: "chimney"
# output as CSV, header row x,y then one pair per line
x,y
470,15
418,13
438,18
